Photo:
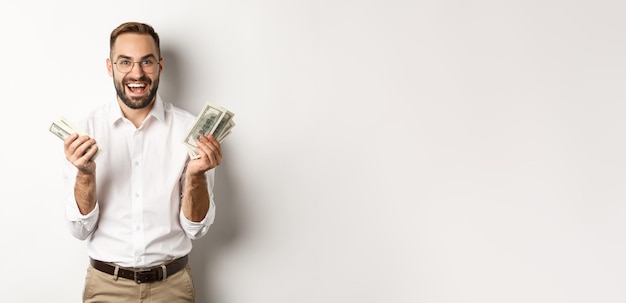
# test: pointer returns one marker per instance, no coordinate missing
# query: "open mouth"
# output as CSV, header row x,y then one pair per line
x,y
137,88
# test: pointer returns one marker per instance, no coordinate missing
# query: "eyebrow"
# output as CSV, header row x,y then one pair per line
x,y
130,58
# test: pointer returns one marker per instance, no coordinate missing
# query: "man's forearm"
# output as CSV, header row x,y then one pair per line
x,y
195,198
85,192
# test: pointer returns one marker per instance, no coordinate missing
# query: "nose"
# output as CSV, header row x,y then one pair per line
x,y
136,69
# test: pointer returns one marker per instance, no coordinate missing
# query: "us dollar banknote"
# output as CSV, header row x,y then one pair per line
x,y
63,128
226,131
224,125
212,120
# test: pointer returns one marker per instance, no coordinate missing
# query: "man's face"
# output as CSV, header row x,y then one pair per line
x,y
136,88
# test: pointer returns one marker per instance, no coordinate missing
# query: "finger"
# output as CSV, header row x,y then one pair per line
x,y
217,145
213,144
91,151
85,146
206,153
206,150
69,140
70,144
211,147
70,151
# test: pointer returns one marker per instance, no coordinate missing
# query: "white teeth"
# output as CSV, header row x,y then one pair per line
x,y
136,85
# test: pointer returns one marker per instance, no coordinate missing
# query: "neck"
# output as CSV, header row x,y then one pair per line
x,y
136,116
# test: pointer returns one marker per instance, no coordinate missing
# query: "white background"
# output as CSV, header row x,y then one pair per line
x,y
385,151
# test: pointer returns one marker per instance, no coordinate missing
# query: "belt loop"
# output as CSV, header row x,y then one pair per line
x,y
116,272
164,271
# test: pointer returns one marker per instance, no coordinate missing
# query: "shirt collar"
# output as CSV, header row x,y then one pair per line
x,y
157,111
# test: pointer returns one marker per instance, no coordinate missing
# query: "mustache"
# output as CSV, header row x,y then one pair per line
x,y
142,79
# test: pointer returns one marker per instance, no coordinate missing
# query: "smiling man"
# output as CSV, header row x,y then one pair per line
x,y
144,201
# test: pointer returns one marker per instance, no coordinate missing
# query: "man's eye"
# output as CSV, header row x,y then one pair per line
x,y
124,62
147,62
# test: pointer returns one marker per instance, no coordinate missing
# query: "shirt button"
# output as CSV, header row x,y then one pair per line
x,y
137,227
137,195
136,163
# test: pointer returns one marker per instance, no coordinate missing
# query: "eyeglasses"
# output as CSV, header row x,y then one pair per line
x,y
148,66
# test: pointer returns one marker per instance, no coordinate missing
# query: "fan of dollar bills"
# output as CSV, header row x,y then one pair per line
x,y
212,120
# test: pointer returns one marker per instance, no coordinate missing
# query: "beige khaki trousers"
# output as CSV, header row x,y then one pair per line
x,y
104,288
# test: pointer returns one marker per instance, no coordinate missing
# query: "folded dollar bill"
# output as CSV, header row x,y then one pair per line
x,y
62,128
212,120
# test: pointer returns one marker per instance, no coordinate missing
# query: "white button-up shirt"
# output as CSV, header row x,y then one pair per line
x,y
138,220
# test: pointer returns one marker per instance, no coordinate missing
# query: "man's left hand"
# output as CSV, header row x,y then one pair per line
x,y
210,152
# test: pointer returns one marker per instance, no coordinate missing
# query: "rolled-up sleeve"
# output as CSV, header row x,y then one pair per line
x,y
196,230
81,226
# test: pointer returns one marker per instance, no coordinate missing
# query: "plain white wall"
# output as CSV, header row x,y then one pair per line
x,y
385,151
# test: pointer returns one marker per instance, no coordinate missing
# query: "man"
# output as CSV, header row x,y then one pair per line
x,y
142,200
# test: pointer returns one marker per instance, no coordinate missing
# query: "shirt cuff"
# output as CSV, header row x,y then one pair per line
x,y
195,230
88,221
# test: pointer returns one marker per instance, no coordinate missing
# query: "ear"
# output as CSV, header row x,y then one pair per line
x,y
161,65
109,67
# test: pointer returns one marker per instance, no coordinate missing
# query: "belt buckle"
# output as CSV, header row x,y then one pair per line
x,y
148,275
138,275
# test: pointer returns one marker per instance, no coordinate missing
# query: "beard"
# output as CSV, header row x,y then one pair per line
x,y
136,102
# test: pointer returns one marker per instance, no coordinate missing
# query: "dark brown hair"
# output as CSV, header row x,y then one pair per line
x,y
137,28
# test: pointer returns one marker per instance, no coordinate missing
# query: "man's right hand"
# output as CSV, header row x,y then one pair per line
x,y
79,150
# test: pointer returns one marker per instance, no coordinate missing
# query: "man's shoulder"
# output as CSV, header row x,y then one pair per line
x,y
177,112
94,113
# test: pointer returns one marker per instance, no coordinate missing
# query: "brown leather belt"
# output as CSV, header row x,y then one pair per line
x,y
141,275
